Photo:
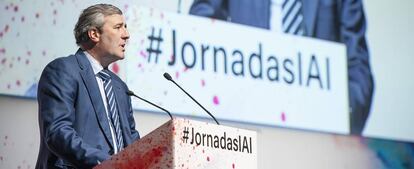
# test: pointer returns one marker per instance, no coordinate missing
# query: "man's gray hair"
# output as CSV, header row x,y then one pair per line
x,y
92,17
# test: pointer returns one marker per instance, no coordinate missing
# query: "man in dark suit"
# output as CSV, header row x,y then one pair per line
x,y
85,114
334,20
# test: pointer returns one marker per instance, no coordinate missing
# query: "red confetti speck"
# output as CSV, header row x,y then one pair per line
x,y
115,68
216,100
18,82
283,116
208,158
177,74
185,69
6,28
16,8
142,53
203,83
233,165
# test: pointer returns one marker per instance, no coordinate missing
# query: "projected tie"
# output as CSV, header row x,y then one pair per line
x,y
292,17
112,109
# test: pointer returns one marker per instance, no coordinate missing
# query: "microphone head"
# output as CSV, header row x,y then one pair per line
x,y
167,76
130,93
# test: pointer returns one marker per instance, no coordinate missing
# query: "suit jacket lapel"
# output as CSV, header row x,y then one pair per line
x,y
92,86
310,9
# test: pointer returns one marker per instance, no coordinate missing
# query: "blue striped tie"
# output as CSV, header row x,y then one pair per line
x,y
292,21
112,109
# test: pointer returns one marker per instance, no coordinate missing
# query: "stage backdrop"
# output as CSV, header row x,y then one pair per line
x,y
239,73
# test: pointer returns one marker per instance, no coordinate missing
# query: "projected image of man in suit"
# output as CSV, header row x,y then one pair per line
x,y
334,20
85,114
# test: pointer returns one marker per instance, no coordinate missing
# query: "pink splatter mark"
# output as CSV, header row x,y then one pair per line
x,y
3,50
283,116
203,83
29,53
22,18
6,28
37,15
18,82
185,69
143,54
1,158
126,6
142,41
139,65
115,68
233,166
1,34
16,8
208,158
177,74
216,100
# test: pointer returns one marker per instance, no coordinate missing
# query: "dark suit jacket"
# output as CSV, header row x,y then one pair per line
x,y
334,20
74,130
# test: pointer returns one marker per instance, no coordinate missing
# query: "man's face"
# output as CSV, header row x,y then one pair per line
x,y
113,37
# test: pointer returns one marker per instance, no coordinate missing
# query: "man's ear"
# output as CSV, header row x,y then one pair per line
x,y
94,35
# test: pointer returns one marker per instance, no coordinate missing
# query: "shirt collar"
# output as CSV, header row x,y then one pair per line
x,y
96,66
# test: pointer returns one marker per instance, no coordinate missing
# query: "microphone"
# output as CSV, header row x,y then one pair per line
x,y
168,77
130,93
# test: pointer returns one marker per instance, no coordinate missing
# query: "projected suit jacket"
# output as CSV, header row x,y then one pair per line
x,y
334,20
74,129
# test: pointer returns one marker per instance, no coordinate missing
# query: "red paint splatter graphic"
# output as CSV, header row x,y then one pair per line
x,y
3,50
283,116
18,82
115,68
233,166
216,100
16,8
208,158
